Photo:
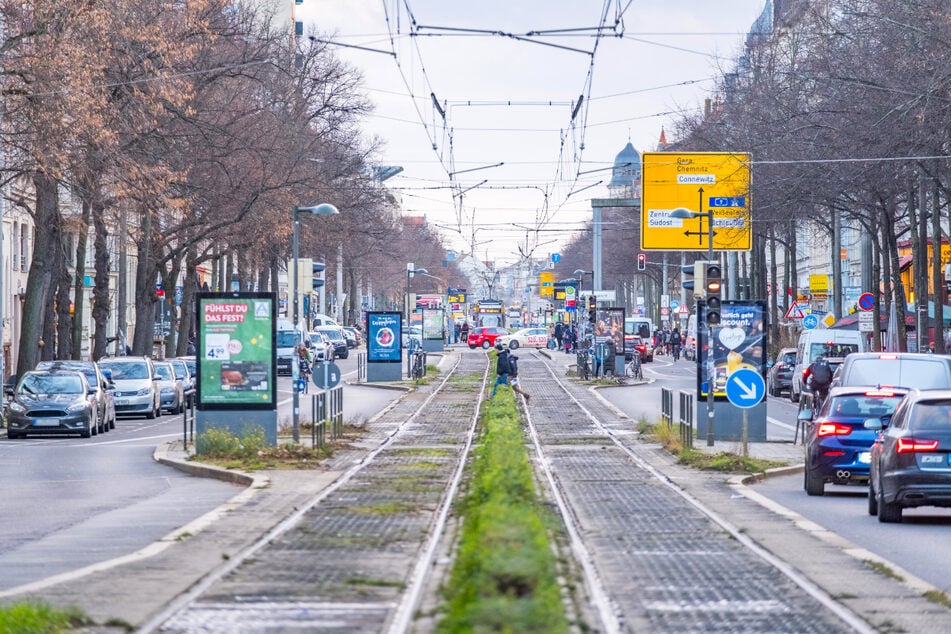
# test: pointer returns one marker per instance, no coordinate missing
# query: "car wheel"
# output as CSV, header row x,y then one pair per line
x,y
888,511
792,395
151,414
872,500
471,347
513,345
486,345
813,485
14,436
345,355
112,422
89,431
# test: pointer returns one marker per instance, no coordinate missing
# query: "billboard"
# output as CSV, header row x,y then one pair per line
x,y
739,341
701,182
610,325
384,337
236,356
434,322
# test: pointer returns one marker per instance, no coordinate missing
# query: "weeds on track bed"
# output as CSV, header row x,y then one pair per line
x,y
724,461
38,618
504,575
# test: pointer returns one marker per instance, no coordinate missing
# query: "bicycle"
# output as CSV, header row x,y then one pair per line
x,y
633,369
584,367
676,352
418,369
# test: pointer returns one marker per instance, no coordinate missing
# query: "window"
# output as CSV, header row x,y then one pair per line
x,y
23,228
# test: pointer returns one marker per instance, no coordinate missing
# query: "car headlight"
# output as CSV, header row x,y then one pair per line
x,y
16,407
77,406
145,391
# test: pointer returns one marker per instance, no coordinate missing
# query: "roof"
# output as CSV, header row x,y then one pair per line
x,y
627,167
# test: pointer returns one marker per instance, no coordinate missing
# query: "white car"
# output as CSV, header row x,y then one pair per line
x,y
525,338
413,333
320,347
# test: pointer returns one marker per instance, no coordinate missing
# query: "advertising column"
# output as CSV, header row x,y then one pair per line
x,y
237,365
384,346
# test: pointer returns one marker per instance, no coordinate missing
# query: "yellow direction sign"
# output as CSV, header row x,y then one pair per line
x,y
546,284
701,182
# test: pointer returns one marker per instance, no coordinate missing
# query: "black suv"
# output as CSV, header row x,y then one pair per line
x,y
337,338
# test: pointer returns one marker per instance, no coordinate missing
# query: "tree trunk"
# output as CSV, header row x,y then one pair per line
x,y
64,321
189,286
122,288
774,288
145,275
170,293
895,265
79,299
100,292
38,280
937,275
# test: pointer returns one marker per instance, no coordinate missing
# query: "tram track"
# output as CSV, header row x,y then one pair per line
x,y
362,511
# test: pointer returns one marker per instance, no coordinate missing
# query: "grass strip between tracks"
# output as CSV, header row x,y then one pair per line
x,y
38,618
504,577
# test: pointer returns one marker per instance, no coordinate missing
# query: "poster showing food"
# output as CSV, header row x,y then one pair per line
x,y
384,337
235,356
739,341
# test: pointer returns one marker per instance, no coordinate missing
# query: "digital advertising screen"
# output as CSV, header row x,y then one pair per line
x,y
434,320
739,341
384,337
236,351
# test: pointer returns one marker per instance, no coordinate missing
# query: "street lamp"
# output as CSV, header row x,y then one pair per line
x,y
581,273
324,209
685,214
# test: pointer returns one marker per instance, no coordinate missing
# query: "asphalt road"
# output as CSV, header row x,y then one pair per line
x,y
73,502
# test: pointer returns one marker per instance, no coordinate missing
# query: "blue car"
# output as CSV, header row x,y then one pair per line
x,y
838,446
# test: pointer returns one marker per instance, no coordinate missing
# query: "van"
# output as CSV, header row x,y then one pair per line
x,y
323,320
896,369
833,344
288,342
635,327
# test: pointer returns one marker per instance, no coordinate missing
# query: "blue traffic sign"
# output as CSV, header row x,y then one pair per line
x,y
810,321
556,257
745,387
326,375
726,201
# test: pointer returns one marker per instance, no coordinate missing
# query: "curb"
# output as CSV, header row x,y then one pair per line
x,y
202,470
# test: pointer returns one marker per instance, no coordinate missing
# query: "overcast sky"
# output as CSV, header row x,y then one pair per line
x,y
511,101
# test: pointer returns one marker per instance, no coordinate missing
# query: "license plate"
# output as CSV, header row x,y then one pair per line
x,y
865,457
122,401
39,422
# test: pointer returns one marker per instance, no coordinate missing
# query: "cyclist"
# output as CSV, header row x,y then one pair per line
x,y
675,343
304,361
819,377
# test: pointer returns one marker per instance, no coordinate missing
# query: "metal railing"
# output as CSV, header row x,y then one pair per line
x,y
362,367
667,406
686,419
326,410
188,423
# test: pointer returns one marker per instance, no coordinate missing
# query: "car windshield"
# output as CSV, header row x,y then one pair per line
x,y
830,349
931,416
180,371
864,406
333,333
164,371
124,371
51,384
639,328
88,371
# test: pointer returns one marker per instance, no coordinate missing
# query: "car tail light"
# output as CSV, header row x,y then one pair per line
x,y
890,357
880,392
834,454
833,429
916,445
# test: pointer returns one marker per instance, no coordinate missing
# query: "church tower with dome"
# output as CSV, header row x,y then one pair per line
x,y
626,175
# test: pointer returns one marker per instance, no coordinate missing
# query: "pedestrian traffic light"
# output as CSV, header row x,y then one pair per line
x,y
641,261
713,288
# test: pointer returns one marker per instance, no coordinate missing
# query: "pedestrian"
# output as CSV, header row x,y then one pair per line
x,y
559,334
569,338
501,368
464,331
513,376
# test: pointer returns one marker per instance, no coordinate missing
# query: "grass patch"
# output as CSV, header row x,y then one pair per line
x,y
471,377
882,569
724,461
385,509
39,618
939,597
251,452
504,578
376,583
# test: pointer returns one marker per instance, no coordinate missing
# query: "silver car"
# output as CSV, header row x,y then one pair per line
x,y
171,389
137,391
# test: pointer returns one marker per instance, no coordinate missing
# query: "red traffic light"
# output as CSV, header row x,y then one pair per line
x,y
641,261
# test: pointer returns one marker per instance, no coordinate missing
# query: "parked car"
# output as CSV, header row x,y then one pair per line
x,y
779,378
412,335
320,346
183,374
485,336
911,457
137,390
337,338
350,337
46,402
526,338
97,380
641,344
838,445
171,389
357,335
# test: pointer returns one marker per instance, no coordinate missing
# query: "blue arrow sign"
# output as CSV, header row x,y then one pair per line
x,y
810,322
745,387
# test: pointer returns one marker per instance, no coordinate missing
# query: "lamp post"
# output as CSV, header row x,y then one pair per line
x,y
684,214
323,209
411,270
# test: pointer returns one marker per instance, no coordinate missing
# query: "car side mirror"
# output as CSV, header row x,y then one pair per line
x,y
874,424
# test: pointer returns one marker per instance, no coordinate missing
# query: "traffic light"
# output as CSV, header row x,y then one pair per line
x,y
641,261
713,287
317,278
592,309
693,277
